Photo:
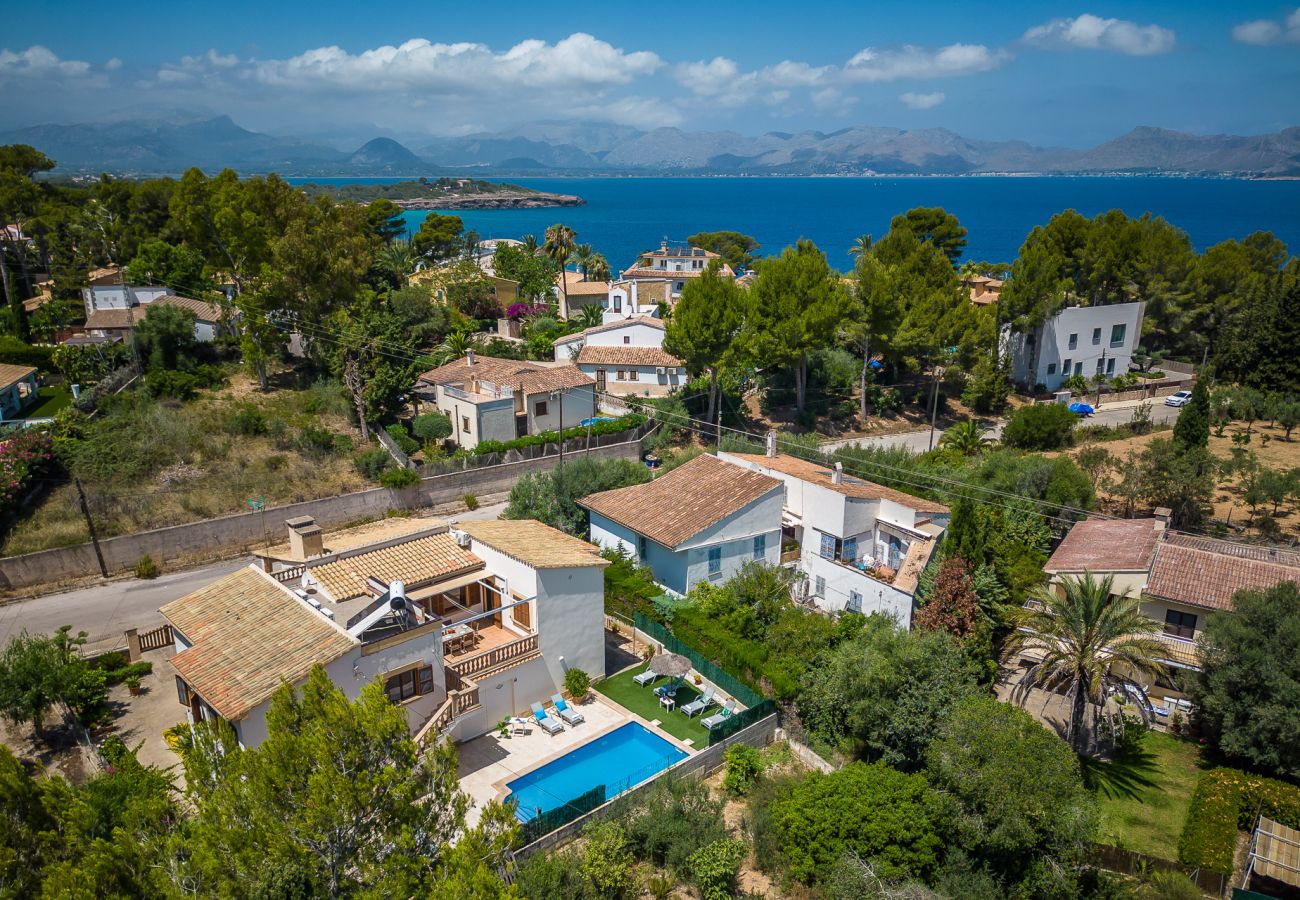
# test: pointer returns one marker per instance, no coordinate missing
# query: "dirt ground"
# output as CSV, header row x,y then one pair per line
x,y
912,417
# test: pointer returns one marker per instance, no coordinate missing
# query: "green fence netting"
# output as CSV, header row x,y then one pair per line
x,y
546,822
729,683
730,725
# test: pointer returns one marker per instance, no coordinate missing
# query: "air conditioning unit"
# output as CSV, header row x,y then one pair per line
x,y
460,537
661,370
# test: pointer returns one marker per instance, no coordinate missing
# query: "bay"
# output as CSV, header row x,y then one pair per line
x,y
625,216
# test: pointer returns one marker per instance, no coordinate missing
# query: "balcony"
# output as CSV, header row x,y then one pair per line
x,y
494,648
462,697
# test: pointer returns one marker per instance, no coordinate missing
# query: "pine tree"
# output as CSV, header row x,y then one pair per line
x,y
1193,426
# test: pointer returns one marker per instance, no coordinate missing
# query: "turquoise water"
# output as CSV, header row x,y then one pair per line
x,y
619,760
625,216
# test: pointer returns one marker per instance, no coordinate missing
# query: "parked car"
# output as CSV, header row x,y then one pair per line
x,y
1180,398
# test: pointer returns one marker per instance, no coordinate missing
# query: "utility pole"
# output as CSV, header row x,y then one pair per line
x,y
90,526
718,423
559,397
934,402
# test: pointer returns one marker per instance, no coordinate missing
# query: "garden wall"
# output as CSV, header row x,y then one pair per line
x,y
211,538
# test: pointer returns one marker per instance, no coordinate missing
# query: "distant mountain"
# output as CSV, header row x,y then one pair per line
x,y
172,145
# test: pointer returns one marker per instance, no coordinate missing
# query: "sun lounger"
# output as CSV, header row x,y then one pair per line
x,y
552,726
721,715
646,677
566,712
700,703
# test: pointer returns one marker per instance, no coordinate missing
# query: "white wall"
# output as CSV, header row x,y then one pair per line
x,y
579,404
877,597
735,535
638,334
669,566
114,296
491,420
1054,350
648,383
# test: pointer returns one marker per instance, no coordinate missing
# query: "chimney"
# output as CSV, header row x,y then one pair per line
x,y
305,538
1162,515
771,443
469,357
837,477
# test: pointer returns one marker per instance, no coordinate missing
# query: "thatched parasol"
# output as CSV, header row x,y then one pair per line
x,y
674,665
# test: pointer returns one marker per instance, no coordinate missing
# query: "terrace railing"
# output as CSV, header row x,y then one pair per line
x,y
462,697
500,657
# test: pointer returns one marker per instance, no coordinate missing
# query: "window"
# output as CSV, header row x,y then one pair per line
x,y
1074,341
1096,335
618,303
1065,368
1117,334
641,545
855,601
464,424
522,615
408,684
627,339
850,552
541,408
1051,368
760,547
1110,366
819,588
1180,624
618,376
715,560
827,547
1100,364
1078,368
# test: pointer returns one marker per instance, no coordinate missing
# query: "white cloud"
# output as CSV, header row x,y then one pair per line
x,y
1264,32
40,62
113,64
911,61
921,101
1089,32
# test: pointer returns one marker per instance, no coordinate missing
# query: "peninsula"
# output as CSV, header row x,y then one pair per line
x,y
446,193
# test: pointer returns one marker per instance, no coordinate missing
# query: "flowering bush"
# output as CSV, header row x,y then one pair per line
x,y
518,311
23,456
1224,802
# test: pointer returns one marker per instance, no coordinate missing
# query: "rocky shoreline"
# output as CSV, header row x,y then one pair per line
x,y
503,200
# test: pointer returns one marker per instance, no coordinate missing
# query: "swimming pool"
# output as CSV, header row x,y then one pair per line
x,y
620,760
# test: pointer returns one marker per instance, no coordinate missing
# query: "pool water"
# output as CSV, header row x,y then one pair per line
x,y
620,760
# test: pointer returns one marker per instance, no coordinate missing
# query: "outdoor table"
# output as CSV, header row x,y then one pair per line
x,y
667,702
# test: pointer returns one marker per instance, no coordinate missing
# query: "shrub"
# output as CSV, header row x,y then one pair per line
x,y
24,457
1225,801
398,477
373,463
715,867
171,383
14,352
431,427
407,443
619,425
1043,426
671,819
246,419
146,567
470,501
577,683
744,765
316,442
275,462
607,860
118,674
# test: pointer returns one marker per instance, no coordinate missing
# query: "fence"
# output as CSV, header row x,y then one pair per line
x,y
546,822
573,446
1130,862
397,453
156,639
725,680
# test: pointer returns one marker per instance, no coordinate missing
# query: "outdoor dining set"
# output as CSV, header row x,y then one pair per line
x,y
675,667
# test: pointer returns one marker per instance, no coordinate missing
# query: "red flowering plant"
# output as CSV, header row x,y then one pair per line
x,y
518,311
23,456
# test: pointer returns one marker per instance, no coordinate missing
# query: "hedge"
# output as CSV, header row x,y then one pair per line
x,y
15,353
621,424
1227,801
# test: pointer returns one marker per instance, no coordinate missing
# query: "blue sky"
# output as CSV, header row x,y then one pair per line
x,y
1049,73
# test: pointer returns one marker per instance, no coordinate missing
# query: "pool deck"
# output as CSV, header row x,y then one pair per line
x,y
489,762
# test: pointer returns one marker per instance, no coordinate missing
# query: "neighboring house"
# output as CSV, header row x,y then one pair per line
x,y
573,292
984,291
1179,578
675,266
1079,340
119,322
463,628
18,389
625,356
103,293
440,277
632,298
490,399
861,546
701,522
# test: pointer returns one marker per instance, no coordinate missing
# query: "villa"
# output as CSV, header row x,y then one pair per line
x,y
674,266
491,399
464,627
1079,340
573,292
625,356
109,322
701,522
861,546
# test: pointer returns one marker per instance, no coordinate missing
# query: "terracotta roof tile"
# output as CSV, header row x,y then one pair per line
x,y
675,507
203,311
248,636
851,486
534,543
1205,572
510,373
414,563
113,319
577,286
1107,545
11,374
626,355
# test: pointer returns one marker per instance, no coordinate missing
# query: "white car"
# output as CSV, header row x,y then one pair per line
x,y
1180,398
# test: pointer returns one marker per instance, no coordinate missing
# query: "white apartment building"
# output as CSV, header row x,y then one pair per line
x,y
1079,340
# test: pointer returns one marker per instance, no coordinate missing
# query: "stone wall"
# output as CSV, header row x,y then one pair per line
x,y
212,538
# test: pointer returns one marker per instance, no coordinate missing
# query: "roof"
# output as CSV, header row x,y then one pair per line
x,y
1204,572
530,377
111,319
849,486
203,311
650,321
248,636
1107,545
672,274
675,507
11,374
626,355
102,274
579,286
681,252
414,562
534,543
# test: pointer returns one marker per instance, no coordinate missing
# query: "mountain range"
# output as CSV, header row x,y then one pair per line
x,y
139,147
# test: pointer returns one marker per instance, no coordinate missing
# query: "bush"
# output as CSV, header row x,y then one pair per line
x,y
470,501
607,863
404,441
671,819
146,567
398,477
16,353
1224,802
744,765
119,674
577,683
373,463
431,427
246,419
170,383
316,442
715,867
1043,426
619,425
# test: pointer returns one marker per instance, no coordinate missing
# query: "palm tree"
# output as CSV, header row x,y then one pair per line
x,y
598,268
861,245
559,247
399,259
967,438
530,244
455,345
583,254
590,316
1092,642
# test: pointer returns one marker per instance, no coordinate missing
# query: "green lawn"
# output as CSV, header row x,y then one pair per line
x,y
642,701
1143,801
52,398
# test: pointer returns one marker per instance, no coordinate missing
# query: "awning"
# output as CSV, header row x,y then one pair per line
x,y
790,519
450,584
1275,852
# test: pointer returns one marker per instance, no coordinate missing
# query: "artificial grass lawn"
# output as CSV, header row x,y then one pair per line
x,y
1143,801
50,399
642,701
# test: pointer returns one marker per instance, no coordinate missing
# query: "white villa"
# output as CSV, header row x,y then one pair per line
x,y
673,266
861,546
1079,340
624,356
494,399
464,627
701,522
109,322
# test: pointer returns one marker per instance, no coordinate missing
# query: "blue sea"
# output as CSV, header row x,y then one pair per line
x,y
625,216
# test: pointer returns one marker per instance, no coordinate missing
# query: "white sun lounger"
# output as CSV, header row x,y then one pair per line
x,y
551,725
721,715
566,712
646,677
700,703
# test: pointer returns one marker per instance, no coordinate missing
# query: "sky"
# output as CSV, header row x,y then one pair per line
x,y
1049,73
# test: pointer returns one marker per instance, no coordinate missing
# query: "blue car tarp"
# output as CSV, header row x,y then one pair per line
x,y
1081,409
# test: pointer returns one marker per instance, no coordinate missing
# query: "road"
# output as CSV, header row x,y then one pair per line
x,y
919,441
104,611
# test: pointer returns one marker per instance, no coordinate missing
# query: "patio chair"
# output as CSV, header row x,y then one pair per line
x,y
669,689
552,726
720,716
566,712
700,703
646,677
